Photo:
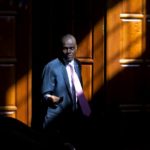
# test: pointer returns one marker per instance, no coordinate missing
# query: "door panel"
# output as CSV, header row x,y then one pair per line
x,y
127,60
15,60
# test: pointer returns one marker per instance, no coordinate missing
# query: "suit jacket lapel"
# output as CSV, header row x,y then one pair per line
x,y
65,76
76,67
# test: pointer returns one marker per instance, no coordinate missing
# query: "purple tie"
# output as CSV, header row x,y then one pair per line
x,y
79,92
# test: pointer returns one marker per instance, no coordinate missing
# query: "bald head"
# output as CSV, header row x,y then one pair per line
x,y
69,38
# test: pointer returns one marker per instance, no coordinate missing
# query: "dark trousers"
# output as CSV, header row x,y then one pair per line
x,y
71,128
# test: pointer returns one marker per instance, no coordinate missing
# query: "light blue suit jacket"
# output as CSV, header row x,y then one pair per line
x,y
55,81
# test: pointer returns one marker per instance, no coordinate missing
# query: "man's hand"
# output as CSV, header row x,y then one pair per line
x,y
54,99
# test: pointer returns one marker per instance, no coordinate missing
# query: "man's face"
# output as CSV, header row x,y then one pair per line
x,y
69,49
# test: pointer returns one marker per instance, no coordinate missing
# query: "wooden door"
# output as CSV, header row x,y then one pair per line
x,y
127,55
15,59
84,19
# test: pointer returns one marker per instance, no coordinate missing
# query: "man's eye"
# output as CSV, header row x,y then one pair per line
x,y
69,48
72,48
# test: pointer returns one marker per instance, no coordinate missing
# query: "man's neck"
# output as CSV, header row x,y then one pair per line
x,y
67,62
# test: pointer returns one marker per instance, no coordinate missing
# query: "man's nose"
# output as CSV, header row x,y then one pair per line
x,y
69,50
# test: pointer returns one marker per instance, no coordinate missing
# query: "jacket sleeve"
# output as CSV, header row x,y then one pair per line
x,y
48,82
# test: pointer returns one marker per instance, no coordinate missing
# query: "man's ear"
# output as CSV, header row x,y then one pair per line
x,y
76,47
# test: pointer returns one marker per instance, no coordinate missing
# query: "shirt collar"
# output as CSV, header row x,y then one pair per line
x,y
71,63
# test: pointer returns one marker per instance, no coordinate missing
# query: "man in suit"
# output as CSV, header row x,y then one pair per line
x,y
63,115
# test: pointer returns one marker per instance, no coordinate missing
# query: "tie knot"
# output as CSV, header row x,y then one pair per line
x,y
71,66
